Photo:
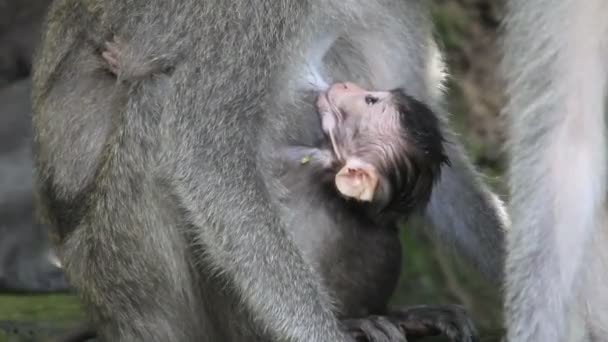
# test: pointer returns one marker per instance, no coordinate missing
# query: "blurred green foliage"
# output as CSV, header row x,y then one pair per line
x,y
39,307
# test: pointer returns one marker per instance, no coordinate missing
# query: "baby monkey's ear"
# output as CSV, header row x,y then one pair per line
x,y
358,179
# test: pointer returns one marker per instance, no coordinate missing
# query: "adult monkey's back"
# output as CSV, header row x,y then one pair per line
x,y
164,221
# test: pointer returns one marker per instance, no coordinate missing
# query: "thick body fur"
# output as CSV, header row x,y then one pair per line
x,y
169,217
556,65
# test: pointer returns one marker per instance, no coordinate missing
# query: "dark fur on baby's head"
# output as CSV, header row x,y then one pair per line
x,y
417,160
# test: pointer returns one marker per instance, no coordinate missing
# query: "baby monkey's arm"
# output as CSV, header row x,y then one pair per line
x,y
295,156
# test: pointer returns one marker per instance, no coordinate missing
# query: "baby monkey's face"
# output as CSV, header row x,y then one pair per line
x,y
365,131
346,106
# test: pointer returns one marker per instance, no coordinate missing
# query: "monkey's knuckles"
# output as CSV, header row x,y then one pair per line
x,y
451,321
374,329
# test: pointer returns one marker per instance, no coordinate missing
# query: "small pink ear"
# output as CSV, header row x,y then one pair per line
x,y
357,179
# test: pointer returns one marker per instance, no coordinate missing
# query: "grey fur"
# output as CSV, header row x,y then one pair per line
x,y
556,270
170,215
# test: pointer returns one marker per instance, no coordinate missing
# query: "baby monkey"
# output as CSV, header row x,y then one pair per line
x,y
375,164
384,149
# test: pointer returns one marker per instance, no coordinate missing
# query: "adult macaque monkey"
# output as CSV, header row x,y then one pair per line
x,y
556,65
167,211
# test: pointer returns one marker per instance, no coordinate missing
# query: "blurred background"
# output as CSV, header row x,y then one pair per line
x,y
35,302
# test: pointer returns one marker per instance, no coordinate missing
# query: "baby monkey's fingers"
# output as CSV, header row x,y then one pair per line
x,y
451,321
374,329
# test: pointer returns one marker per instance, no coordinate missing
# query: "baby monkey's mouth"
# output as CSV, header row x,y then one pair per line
x,y
334,146
331,106
330,113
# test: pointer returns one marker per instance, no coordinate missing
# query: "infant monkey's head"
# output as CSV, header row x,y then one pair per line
x,y
388,146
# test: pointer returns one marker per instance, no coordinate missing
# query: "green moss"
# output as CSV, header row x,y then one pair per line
x,y
39,307
421,280
450,27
